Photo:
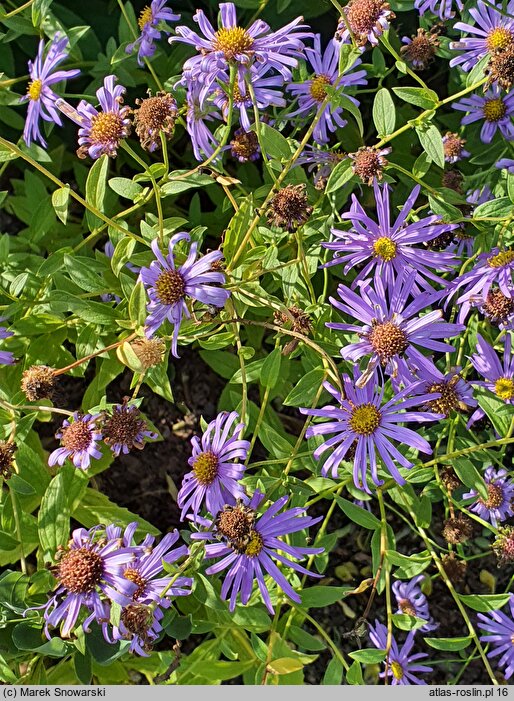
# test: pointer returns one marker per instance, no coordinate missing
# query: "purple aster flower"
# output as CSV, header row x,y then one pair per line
x,y
500,633
202,139
311,93
90,574
124,429
148,22
455,394
218,49
100,131
496,109
40,96
167,286
79,438
498,375
413,602
368,20
363,426
507,164
403,667
321,161
494,267
500,499
266,89
386,249
249,544
392,328
494,32
443,8
140,620
6,357
214,476
480,195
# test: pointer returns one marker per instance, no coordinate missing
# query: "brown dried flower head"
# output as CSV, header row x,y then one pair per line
x,y
455,569
500,69
150,351
289,208
7,450
368,163
449,478
457,530
503,545
38,382
452,179
153,115
421,50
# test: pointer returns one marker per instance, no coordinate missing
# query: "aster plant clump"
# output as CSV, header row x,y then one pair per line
x,y
256,326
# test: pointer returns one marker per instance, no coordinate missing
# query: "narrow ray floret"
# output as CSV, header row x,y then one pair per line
x,y
445,9
499,632
101,131
494,31
232,44
500,497
413,602
168,286
392,328
6,357
366,427
311,93
498,374
507,164
494,108
79,436
495,267
149,19
89,573
40,95
403,667
249,545
454,393
215,474
140,620
386,250
203,141
323,162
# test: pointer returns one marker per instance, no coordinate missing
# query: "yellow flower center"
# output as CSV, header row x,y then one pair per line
x,y
205,467
318,87
170,287
365,419
495,497
135,577
494,110
145,17
106,127
397,670
504,388
385,248
232,41
499,38
255,545
501,259
34,89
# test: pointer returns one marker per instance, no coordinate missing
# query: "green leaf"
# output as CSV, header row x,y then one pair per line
x,y
274,143
6,154
341,174
432,142
354,674
270,371
60,201
82,271
499,413
83,665
122,252
384,114
7,542
484,602
66,488
305,640
178,184
285,665
125,188
357,514
499,207
95,507
305,390
368,656
95,190
469,475
339,99
137,304
28,637
21,486
237,228
417,96
334,673
318,597
220,670
449,644
510,186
